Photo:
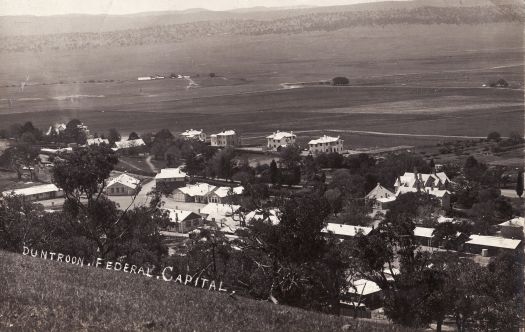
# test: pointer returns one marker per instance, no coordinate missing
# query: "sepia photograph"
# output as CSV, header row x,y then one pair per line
x,y
262,165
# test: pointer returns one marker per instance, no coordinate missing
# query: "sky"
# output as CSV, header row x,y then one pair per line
x,y
119,7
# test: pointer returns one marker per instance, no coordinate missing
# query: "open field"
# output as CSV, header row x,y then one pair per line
x,y
48,295
405,79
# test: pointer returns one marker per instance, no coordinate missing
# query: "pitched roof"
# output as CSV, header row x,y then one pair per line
x,y
363,287
126,180
126,144
197,189
191,133
34,190
345,230
424,232
280,135
223,191
324,139
516,222
493,241
225,133
170,173
216,209
380,192
180,215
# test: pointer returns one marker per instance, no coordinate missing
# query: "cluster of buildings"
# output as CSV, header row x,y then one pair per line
x,y
434,184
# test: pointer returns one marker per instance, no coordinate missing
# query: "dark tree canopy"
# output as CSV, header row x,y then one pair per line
x,y
340,80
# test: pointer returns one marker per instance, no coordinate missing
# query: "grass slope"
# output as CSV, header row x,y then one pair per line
x,y
50,296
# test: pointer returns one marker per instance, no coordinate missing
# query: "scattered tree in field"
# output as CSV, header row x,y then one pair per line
x,y
494,136
519,184
133,135
212,75
340,80
113,136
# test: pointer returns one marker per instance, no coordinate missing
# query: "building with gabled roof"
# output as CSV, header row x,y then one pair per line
x,y
194,134
182,221
122,185
271,216
224,216
223,195
280,139
225,138
381,197
325,144
418,180
196,193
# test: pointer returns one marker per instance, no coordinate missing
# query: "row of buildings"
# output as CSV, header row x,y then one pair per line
x,y
275,141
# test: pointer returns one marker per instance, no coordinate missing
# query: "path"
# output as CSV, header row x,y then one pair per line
x,y
150,165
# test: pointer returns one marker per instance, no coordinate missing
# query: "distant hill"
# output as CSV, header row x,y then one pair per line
x,y
206,24
47,295
39,25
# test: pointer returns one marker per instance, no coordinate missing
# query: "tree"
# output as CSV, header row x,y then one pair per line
x,y
113,136
519,184
133,135
129,233
21,157
212,75
290,156
222,163
494,136
274,172
340,80
74,132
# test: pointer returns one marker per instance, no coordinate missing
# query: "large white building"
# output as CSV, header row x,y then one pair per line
x,y
171,176
280,139
194,134
225,138
37,193
326,144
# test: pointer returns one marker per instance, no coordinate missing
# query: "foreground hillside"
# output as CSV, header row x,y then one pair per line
x,y
50,296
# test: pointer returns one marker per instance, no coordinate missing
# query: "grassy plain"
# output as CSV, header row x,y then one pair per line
x,y
51,296
408,79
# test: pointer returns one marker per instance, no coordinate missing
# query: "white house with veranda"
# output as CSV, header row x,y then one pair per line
x,y
326,144
122,185
280,139
225,138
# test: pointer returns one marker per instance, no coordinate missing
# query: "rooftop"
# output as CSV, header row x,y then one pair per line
x,y
516,222
126,144
34,190
345,230
224,191
197,189
324,139
179,215
192,132
170,173
280,135
126,180
493,241
363,287
225,133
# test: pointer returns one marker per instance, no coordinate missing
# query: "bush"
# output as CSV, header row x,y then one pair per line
x,y
494,136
